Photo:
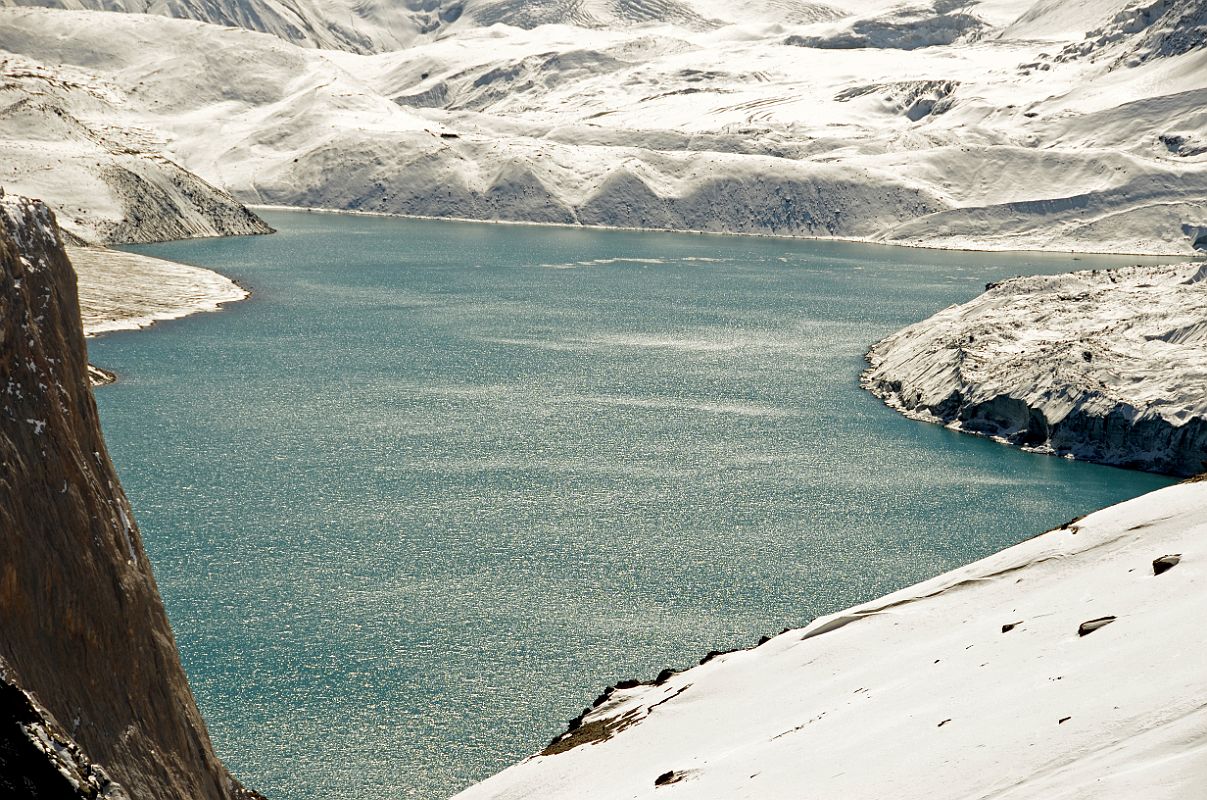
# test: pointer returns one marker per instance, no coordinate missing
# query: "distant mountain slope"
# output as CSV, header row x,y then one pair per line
x,y
364,26
108,183
991,125
375,26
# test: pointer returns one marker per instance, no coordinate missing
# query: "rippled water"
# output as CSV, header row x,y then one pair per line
x,y
436,484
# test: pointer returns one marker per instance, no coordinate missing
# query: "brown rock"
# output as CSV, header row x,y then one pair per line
x,y
1166,563
83,628
1092,625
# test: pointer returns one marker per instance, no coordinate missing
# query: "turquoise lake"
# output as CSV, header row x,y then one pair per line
x,y
436,484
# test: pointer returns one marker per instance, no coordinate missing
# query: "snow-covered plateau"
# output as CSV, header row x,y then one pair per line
x,y
1107,366
1068,666
1000,124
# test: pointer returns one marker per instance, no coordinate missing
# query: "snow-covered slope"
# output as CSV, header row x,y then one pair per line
x,y
1014,129
364,26
375,26
1108,366
61,141
1063,667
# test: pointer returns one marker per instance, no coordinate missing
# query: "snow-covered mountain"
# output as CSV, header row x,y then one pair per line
x,y
999,124
61,139
376,26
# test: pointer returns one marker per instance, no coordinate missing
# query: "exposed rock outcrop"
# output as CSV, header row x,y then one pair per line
x,y
84,630
38,759
1107,366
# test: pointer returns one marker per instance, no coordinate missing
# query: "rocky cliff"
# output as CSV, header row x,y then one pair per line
x,y
84,631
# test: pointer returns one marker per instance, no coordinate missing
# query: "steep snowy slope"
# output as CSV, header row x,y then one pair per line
x,y
1106,366
1069,666
998,124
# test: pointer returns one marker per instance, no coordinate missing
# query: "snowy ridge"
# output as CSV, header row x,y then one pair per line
x,y
1107,366
1068,666
965,125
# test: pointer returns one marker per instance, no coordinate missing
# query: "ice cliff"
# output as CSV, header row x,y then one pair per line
x,y
91,686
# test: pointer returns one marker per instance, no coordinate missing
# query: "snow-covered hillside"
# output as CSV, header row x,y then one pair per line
x,y
60,140
375,26
1000,124
1107,366
1069,666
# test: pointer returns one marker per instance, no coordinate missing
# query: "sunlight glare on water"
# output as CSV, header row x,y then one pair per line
x,y
415,503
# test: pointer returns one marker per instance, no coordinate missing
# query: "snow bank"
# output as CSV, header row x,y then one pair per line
x,y
124,291
983,682
1107,366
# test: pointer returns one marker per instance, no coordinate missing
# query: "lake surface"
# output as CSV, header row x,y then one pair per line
x,y
415,503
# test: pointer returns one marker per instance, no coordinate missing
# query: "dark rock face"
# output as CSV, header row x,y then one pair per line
x,y
38,760
84,630
1122,437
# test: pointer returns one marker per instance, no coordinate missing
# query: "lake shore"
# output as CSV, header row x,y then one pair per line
x,y
1066,666
122,291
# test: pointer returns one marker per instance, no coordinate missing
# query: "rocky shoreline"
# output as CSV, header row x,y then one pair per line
x,y
1107,366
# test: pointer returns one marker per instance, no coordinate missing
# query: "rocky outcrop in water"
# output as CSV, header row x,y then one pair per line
x,y
1107,366
84,630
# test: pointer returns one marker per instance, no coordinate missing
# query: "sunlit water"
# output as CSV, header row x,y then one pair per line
x,y
436,484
